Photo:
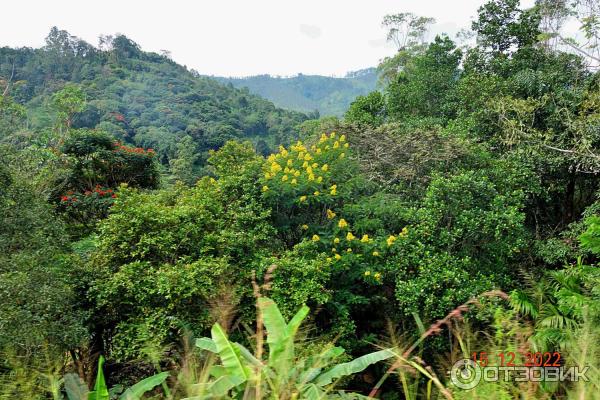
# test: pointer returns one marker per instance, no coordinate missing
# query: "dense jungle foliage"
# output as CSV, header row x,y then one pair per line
x,y
207,244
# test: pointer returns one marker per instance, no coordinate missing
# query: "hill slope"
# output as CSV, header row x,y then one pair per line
x,y
142,98
306,93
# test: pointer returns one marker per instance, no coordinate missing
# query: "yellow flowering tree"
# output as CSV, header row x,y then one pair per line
x,y
305,184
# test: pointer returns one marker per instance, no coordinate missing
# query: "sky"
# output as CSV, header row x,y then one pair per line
x,y
238,37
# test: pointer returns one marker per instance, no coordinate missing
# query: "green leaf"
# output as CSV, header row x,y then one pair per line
x,y
137,391
100,391
312,392
217,388
353,366
320,361
281,343
296,321
229,355
206,344
521,302
273,320
217,371
75,387
345,395
221,386
244,352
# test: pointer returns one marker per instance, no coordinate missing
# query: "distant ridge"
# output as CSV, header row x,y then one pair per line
x,y
307,93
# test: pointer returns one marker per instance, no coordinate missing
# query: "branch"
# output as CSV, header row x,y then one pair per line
x,y
9,80
576,48
558,149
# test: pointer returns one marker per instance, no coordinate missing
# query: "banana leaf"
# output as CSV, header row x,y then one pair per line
x,y
100,391
352,367
136,391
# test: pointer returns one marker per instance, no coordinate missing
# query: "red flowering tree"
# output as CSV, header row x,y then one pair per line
x,y
97,166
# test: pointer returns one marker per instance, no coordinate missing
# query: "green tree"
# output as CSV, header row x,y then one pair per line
x,y
69,101
200,239
38,307
367,110
425,88
407,32
96,166
406,29
12,116
285,372
502,27
182,167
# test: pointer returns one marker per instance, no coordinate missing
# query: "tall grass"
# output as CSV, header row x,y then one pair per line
x,y
281,364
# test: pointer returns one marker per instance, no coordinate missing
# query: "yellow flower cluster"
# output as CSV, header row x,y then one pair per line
x,y
365,239
306,170
376,275
392,239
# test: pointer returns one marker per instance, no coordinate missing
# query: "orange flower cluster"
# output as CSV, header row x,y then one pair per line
x,y
100,191
68,199
137,150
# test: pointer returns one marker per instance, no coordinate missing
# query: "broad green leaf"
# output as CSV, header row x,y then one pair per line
x,y
200,390
352,367
273,320
100,391
294,324
217,388
281,344
75,387
221,386
137,391
217,371
313,392
206,344
229,354
316,363
244,352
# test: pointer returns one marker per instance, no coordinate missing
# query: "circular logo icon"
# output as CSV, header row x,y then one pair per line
x,y
465,374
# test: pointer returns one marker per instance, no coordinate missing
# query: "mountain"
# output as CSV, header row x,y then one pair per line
x,y
142,98
306,93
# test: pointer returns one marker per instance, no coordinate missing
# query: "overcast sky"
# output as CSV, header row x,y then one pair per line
x,y
237,37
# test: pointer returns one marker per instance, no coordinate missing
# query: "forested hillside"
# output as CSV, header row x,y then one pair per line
x,y
140,98
448,223
328,95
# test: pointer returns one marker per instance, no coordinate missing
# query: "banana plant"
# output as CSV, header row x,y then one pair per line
x,y
76,388
283,374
